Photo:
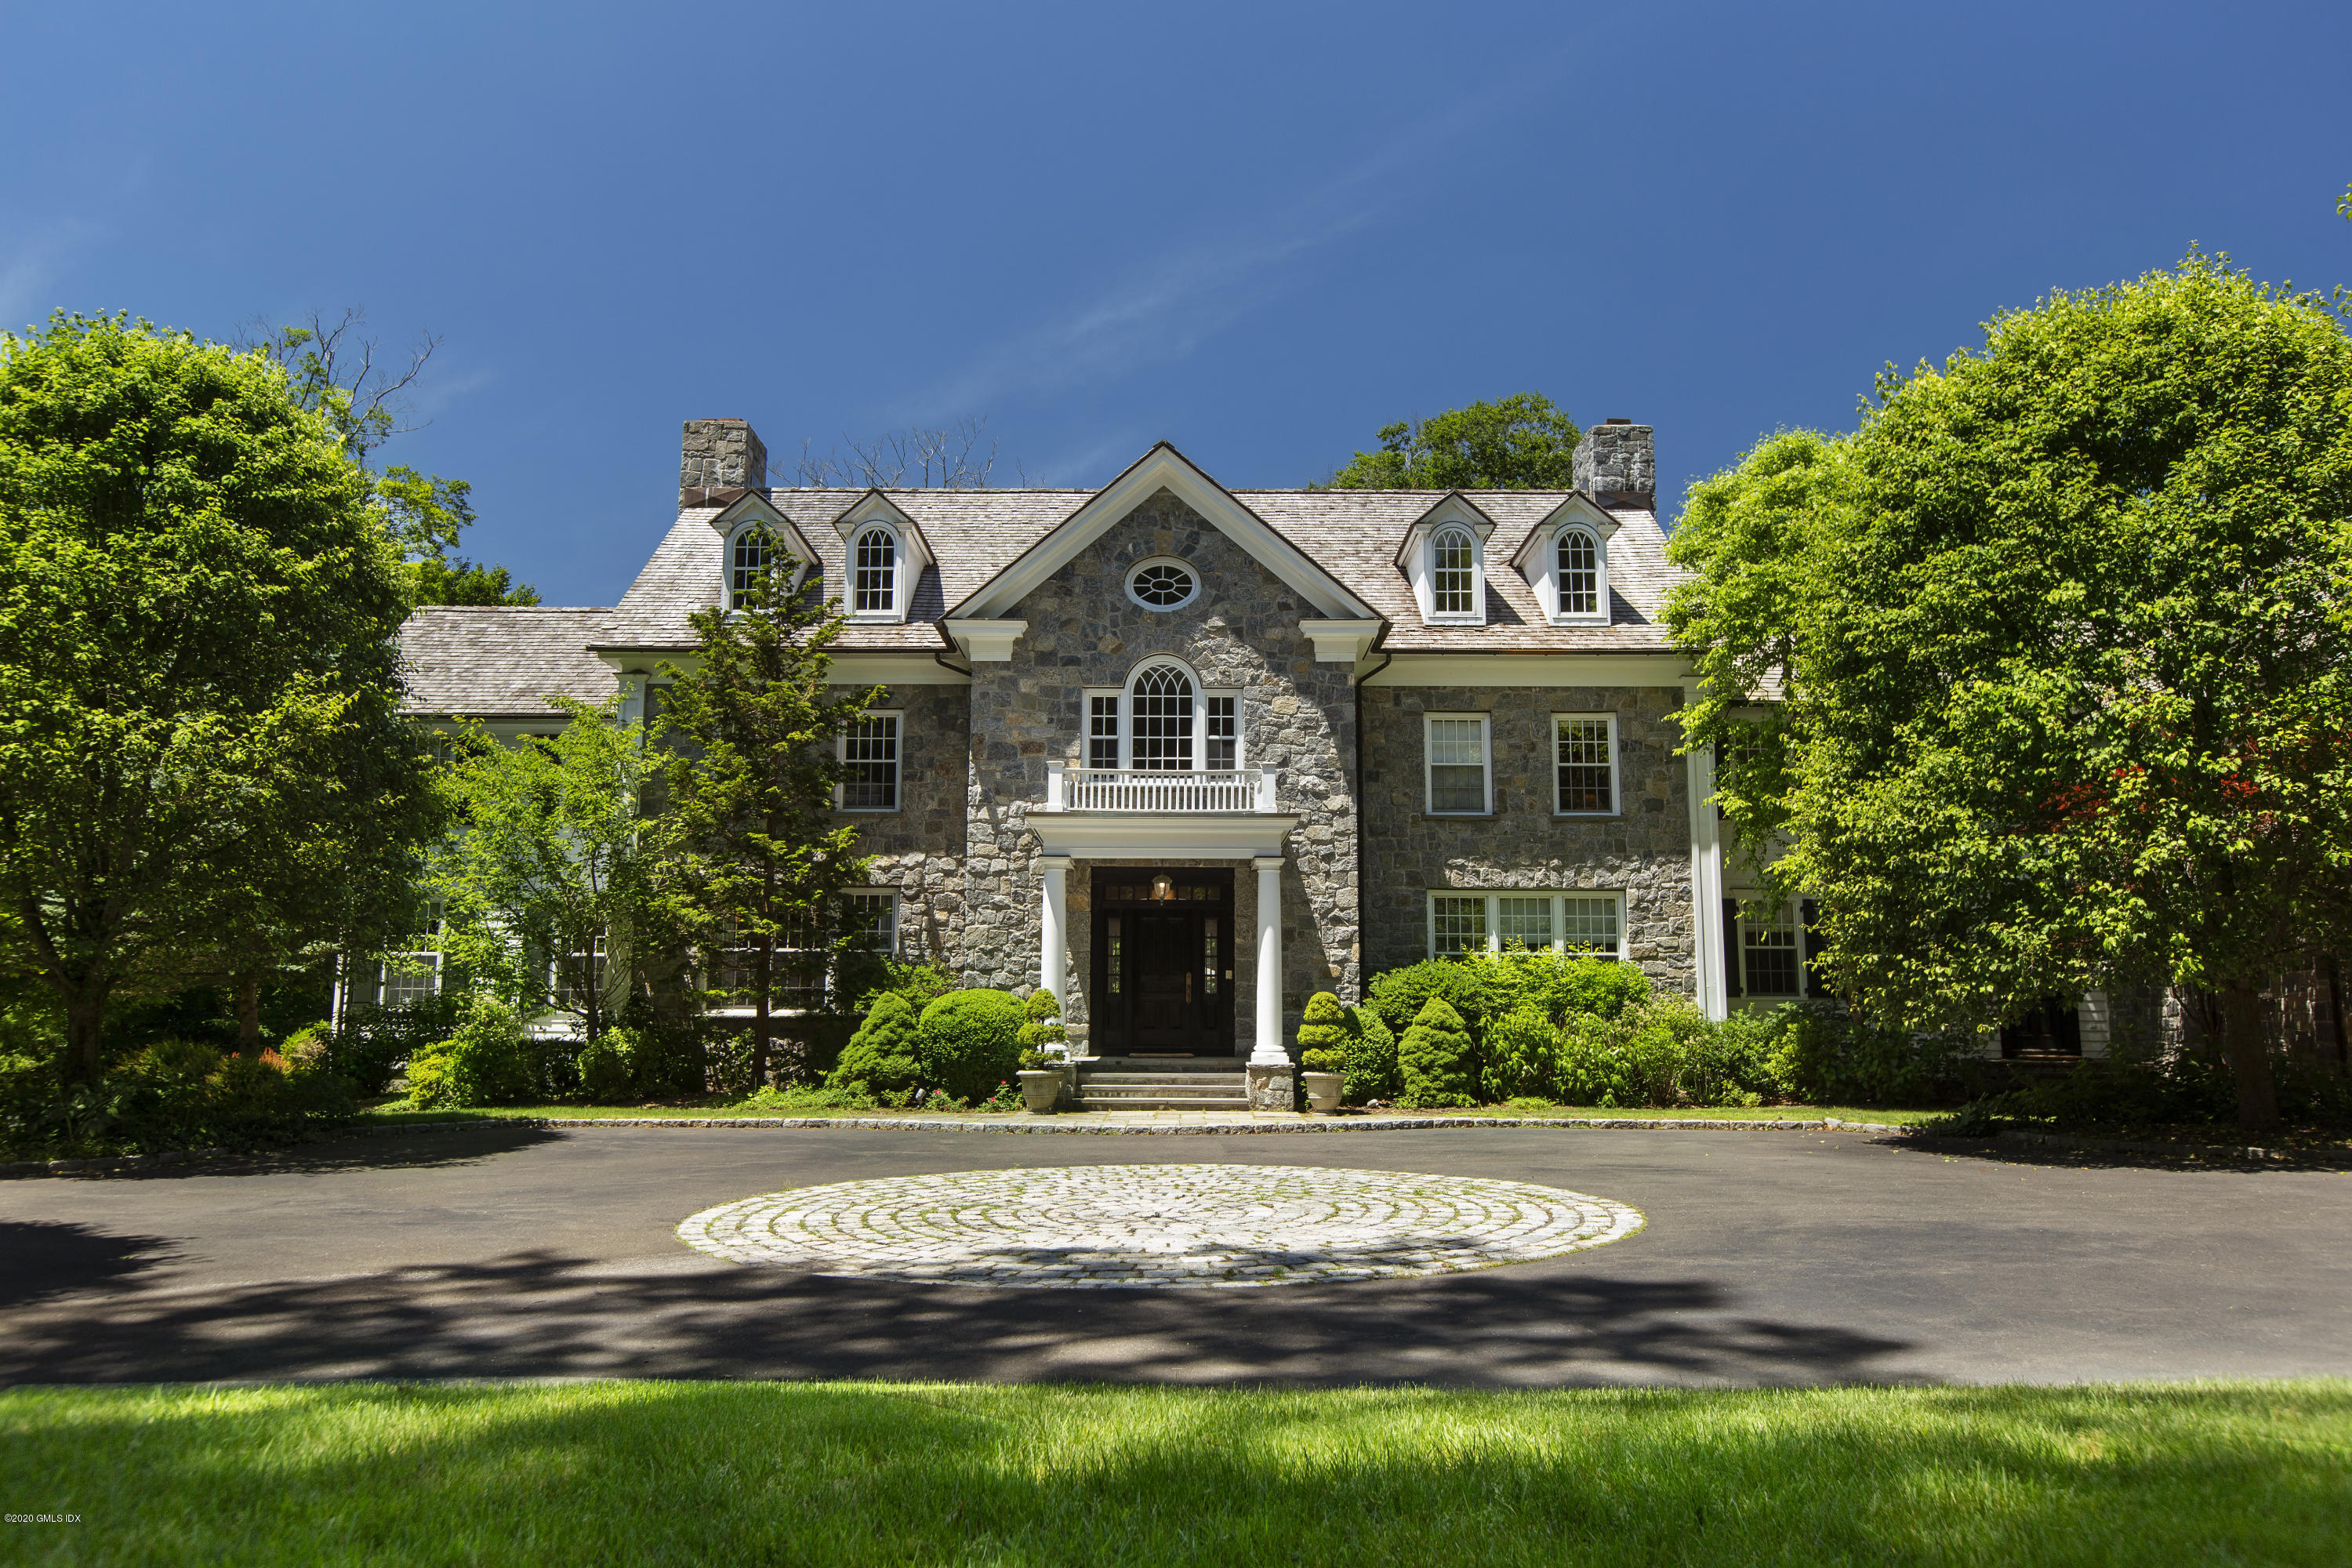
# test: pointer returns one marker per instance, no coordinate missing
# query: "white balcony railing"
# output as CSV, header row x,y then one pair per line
x,y
1158,790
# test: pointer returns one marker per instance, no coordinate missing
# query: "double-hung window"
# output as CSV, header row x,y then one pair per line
x,y
1459,780
747,561
1102,731
1769,954
1584,754
1591,923
870,920
869,763
873,574
1224,733
572,979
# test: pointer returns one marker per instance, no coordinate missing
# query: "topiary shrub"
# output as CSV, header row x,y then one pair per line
x,y
1323,1035
486,1062
881,1058
970,1041
1372,1057
607,1068
1044,1027
1521,1056
1438,1060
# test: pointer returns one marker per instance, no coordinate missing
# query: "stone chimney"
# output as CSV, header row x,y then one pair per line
x,y
719,455
1616,464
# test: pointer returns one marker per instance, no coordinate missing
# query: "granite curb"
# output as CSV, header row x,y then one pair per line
x,y
1059,1126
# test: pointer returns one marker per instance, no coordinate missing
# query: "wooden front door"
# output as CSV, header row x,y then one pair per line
x,y
1163,966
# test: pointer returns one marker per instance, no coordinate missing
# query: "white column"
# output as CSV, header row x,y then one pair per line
x,y
1268,1046
1053,925
1707,885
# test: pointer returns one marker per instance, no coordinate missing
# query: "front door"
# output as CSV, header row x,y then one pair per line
x,y
1164,963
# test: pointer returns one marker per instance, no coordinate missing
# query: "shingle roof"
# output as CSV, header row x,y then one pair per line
x,y
500,662
1352,534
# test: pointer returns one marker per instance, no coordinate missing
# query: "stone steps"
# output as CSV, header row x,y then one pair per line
x,y
1178,1083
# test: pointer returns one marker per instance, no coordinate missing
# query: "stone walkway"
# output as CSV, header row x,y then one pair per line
x,y
1157,1226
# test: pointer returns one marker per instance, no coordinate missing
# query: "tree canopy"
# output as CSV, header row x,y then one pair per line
x,y
1520,443
202,760
2059,650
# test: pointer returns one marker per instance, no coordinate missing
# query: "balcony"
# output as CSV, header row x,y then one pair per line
x,y
1160,790
1128,812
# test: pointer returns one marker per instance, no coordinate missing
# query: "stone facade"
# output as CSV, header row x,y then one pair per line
x,y
1085,633
1643,851
919,848
719,454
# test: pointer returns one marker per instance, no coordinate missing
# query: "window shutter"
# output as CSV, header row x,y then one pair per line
x,y
1810,912
1731,947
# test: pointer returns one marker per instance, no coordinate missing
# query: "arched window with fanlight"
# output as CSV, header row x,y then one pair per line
x,y
1579,573
874,586
1162,716
747,561
1453,572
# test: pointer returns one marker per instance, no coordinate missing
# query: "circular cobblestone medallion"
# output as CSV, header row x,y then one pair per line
x,y
1091,1226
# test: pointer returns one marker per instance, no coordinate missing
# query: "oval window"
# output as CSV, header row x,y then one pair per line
x,y
1162,584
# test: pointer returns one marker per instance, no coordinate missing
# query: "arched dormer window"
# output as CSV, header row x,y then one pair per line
x,y
1579,572
1453,572
874,585
747,559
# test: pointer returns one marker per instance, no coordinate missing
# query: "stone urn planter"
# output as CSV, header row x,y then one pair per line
x,y
1040,1088
1324,1090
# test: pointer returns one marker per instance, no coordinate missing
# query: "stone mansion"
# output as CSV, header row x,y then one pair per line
x,y
1187,754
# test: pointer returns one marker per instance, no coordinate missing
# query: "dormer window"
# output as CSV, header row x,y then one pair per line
x,y
747,561
1579,572
1453,572
875,585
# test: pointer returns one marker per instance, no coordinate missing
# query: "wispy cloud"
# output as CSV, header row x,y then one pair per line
x,y
31,260
1164,310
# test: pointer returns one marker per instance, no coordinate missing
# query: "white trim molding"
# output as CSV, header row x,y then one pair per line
x,y
1537,560
1533,669
1559,806
1417,558
1194,836
1429,764
1707,881
1339,642
986,642
1553,905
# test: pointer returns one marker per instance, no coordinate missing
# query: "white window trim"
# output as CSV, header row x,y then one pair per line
x,y
1180,563
1616,779
896,612
734,537
1476,615
897,910
430,961
841,754
1554,590
1493,895
1486,751
1739,950
1201,694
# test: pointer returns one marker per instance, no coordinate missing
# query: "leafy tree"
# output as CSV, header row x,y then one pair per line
x,y
1521,443
552,863
2066,668
761,857
200,741
335,369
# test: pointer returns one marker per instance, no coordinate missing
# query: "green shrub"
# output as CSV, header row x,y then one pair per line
x,y
374,1043
919,984
607,1070
1484,987
1400,994
1521,1055
1323,1035
171,1095
1372,1057
970,1041
1438,1058
1043,1012
804,1097
29,1089
487,1062
2191,1087
881,1058
1825,1056
665,1058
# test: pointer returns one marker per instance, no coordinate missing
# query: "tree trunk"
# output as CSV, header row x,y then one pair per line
x,y
2250,1056
249,1017
764,973
84,1038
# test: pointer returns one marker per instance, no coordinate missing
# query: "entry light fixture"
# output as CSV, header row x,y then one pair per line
x,y
1162,889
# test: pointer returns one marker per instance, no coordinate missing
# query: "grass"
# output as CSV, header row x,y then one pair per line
x,y
396,1110
890,1473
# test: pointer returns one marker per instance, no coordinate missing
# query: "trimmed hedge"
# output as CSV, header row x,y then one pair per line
x,y
1323,1035
1438,1058
881,1059
970,1041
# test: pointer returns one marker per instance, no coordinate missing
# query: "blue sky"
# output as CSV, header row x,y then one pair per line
x,y
1259,230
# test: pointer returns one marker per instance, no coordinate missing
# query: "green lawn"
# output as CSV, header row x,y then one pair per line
x,y
890,1473
395,1111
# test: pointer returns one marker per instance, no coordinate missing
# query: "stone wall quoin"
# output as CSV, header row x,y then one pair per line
x,y
1643,851
1240,631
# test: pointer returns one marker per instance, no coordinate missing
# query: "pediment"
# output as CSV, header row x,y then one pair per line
x,y
1163,467
751,506
874,506
1578,507
1451,507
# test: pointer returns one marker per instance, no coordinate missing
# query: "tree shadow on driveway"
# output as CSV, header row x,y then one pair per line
x,y
541,1315
50,1258
463,1145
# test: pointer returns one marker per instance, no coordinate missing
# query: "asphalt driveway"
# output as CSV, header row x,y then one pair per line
x,y
1769,1258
